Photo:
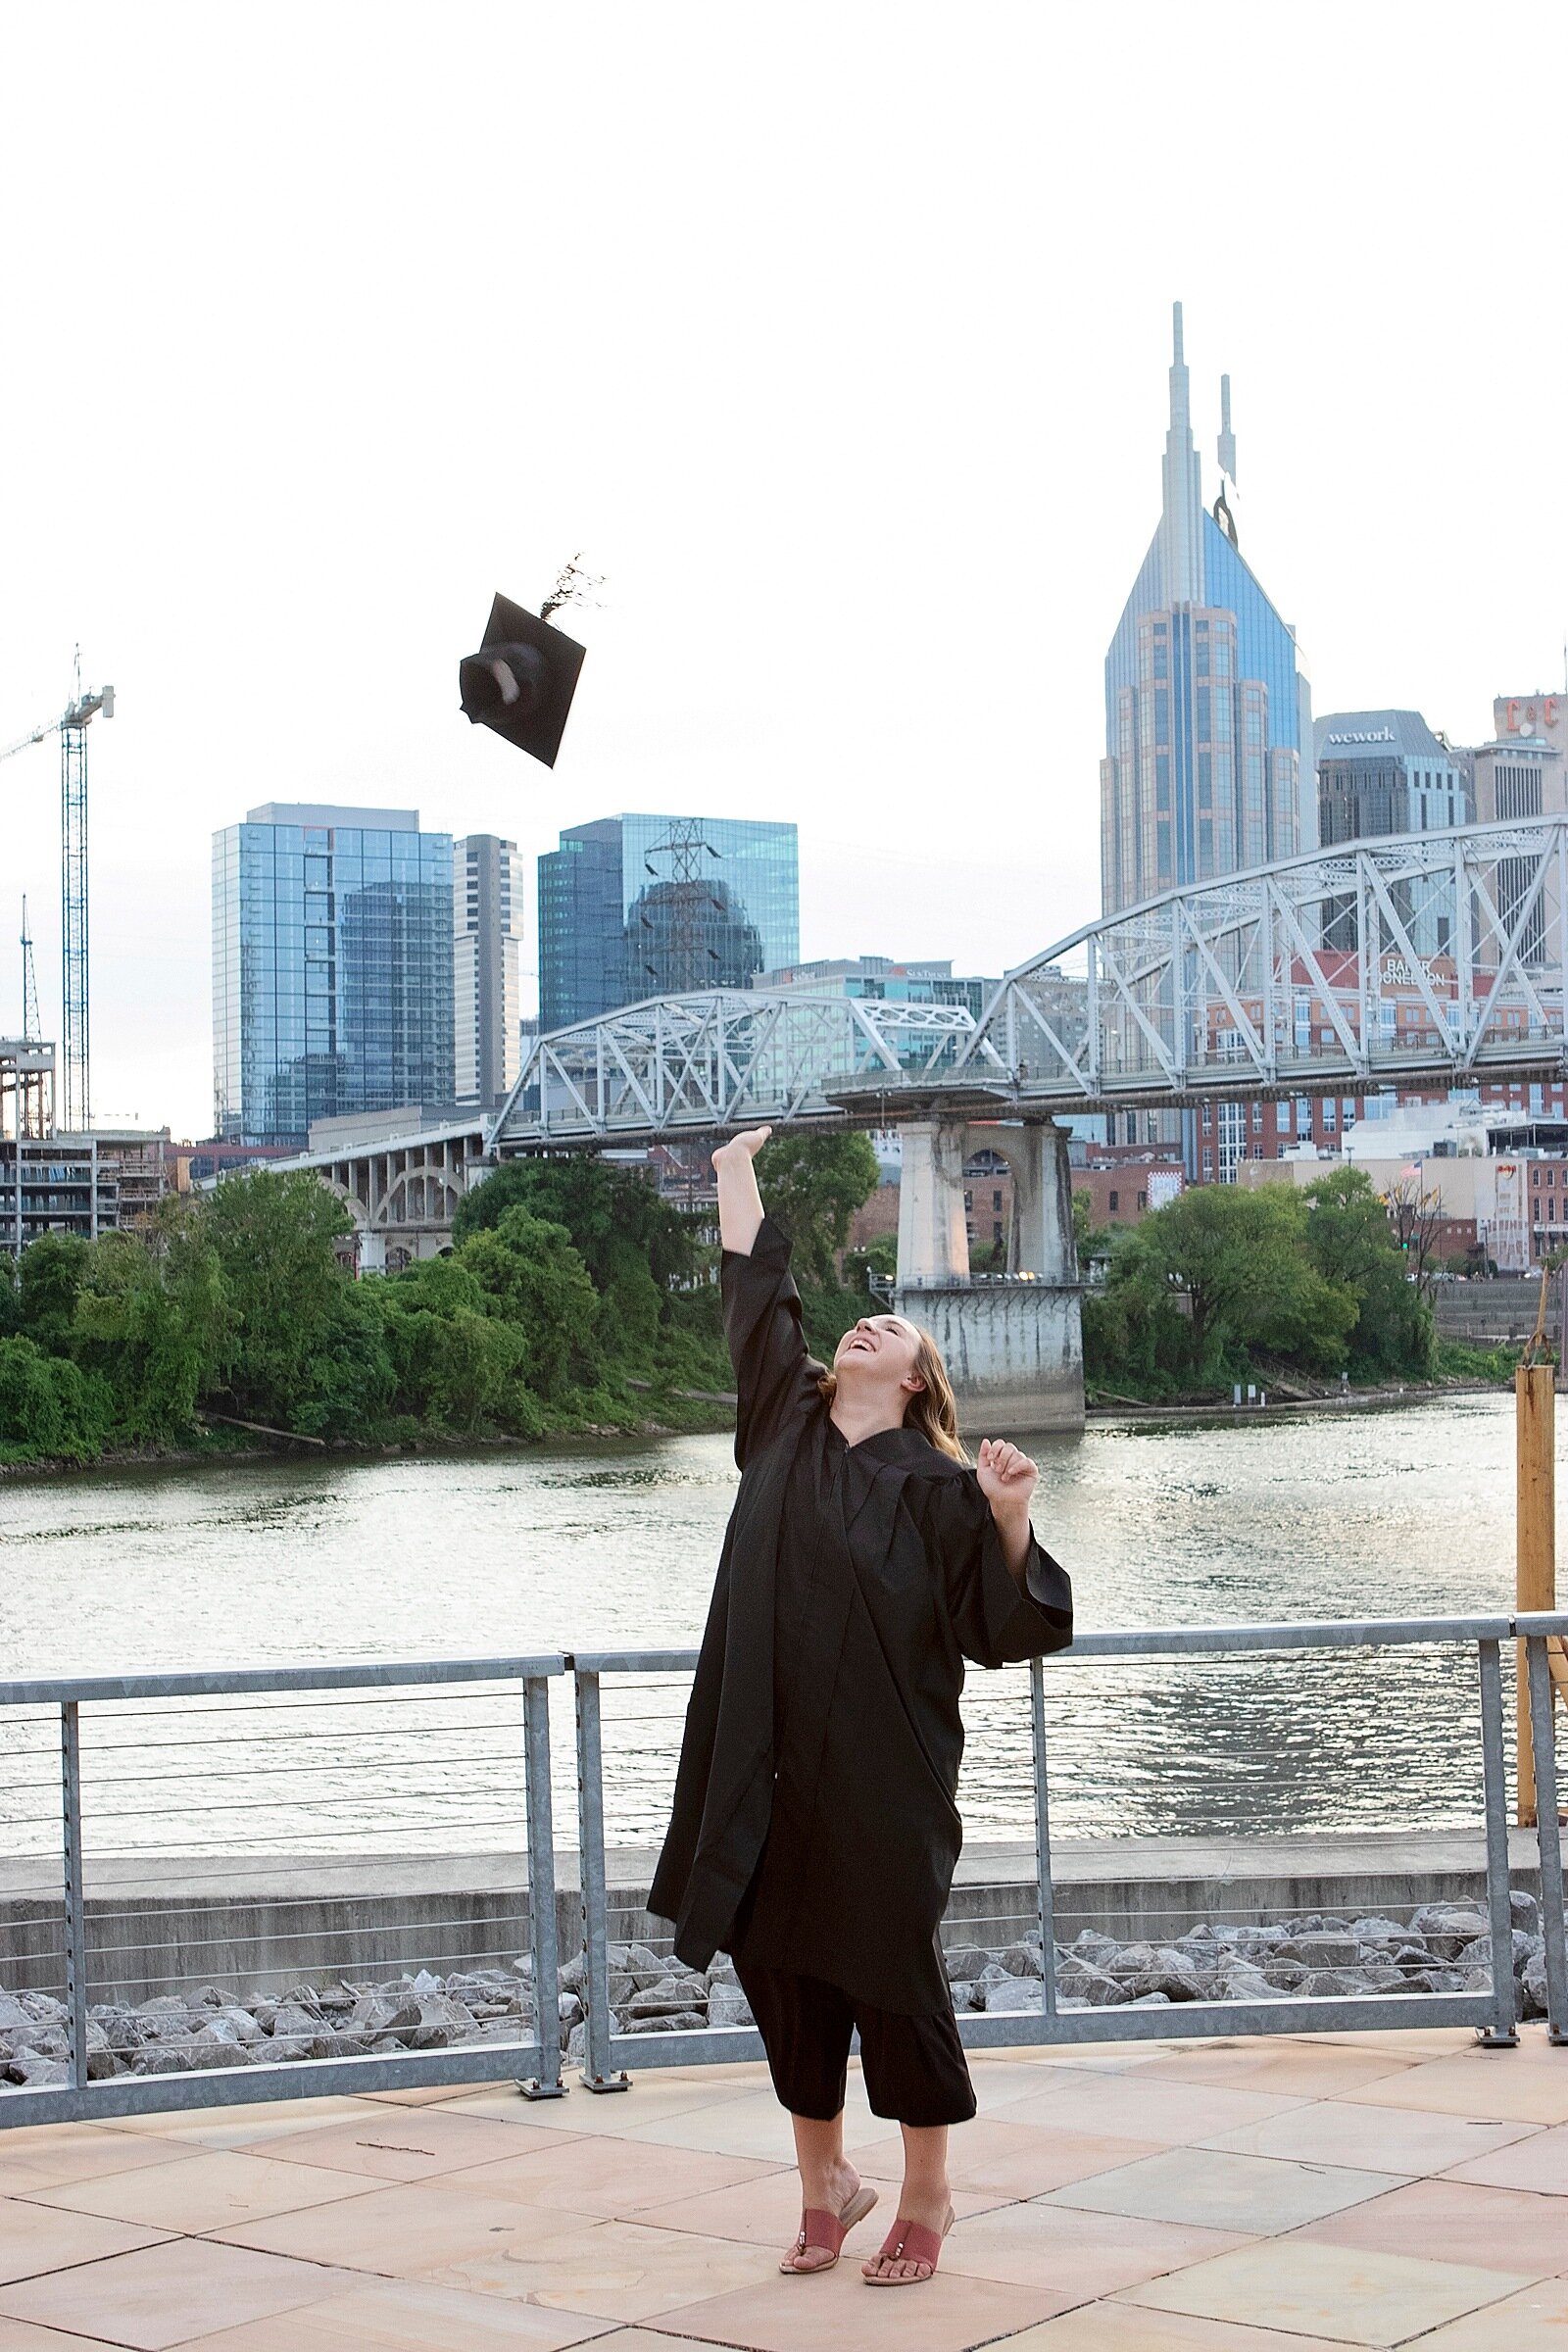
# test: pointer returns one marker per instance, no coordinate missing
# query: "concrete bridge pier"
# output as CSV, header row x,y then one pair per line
x,y
1012,1344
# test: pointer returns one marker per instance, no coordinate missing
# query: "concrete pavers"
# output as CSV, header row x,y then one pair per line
x,y
1236,2196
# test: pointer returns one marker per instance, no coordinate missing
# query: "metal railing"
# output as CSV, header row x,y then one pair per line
x,y
117,1792
609,2052
246,1793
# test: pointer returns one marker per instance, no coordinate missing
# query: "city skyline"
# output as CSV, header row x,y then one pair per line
x,y
811,434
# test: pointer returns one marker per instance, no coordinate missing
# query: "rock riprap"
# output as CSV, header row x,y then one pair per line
x,y
1442,1947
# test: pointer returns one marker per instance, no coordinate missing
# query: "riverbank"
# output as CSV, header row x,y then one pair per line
x,y
706,1415
1335,1400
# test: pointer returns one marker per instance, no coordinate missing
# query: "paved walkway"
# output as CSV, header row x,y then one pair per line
x,y
1279,2196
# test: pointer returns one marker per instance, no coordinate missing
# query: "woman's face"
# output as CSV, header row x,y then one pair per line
x,y
881,1350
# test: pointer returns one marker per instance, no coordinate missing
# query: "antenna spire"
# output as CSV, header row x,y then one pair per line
x,y
1181,520
1227,439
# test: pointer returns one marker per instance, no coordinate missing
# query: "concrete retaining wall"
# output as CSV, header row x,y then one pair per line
x,y
262,1926
1491,1314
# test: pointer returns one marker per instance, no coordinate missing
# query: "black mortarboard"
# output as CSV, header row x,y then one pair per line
x,y
522,680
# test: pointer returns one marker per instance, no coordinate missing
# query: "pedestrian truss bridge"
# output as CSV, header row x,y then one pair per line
x,y
1432,959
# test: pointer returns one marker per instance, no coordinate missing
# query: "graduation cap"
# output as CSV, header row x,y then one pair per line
x,y
522,680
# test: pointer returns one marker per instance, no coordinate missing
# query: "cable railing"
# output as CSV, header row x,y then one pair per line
x,y
221,1887
1058,1992
263,1882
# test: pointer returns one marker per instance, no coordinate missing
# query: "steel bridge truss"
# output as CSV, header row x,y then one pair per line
x,y
724,1059
1432,959
1422,958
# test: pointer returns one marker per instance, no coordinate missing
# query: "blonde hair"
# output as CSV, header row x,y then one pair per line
x,y
932,1410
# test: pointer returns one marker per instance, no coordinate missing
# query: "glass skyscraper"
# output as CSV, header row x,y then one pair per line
x,y
333,951
635,907
1209,738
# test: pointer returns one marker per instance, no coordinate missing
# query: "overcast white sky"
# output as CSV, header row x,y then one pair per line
x,y
836,335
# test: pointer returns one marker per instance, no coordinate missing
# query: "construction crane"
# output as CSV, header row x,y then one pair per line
x,y
71,727
32,1025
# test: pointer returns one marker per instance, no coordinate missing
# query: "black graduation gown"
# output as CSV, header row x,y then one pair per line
x,y
853,1792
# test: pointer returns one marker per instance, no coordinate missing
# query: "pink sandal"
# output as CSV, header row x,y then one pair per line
x,y
912,2241
824,2234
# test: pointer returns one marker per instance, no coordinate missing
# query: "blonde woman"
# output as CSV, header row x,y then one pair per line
x,y
815,1830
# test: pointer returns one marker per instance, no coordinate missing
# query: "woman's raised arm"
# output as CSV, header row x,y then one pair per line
x,y
740,1203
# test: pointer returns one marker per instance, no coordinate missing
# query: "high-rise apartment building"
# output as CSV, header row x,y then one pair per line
x,y
485,933
1208,742
635,907
331,968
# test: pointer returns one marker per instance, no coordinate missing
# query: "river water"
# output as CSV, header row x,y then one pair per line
x,y
1396,1512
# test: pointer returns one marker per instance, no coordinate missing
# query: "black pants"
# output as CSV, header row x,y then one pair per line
x,y
914,2067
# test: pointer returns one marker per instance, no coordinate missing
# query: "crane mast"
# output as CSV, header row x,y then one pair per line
x,y
32,1025
75,970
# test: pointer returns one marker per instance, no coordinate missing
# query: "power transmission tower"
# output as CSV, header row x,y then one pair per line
x,y
681,913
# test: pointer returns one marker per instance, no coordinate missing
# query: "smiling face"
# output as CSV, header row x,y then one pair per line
x,y
881,1352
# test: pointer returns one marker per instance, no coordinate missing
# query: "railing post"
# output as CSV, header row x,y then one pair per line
x,y
1045,1896
547,2083
1503,2032
75,1917
1536,1572
1549,1839
595,2072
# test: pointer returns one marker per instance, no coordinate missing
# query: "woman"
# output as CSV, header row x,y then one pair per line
x,y
814,1832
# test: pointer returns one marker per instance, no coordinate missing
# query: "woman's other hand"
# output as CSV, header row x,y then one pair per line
x,y
740,1203
743,1147
1007,1478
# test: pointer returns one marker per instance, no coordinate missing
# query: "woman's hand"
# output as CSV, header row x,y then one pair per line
x,y
743,1147
1007,1478
740,1203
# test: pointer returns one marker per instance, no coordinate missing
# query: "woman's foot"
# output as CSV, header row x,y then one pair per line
x,y
836,2193
910,2252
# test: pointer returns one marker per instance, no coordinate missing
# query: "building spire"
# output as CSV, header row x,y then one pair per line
x,y
1227,439
1181,543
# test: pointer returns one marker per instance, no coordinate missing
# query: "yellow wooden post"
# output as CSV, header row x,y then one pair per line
x,y
1536,1577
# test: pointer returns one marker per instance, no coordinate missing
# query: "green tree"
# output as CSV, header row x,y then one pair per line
x,y
128,1328
1349,1241
1241,1261
812,1185
634,1245
50,1410
302,1347
51,1273
456,1363
611,1212
531,1275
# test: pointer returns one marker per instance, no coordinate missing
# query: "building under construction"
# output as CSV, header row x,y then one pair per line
x,y
55,1181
